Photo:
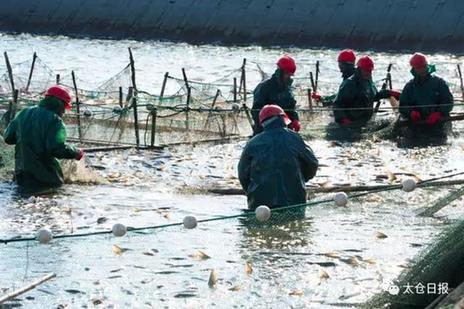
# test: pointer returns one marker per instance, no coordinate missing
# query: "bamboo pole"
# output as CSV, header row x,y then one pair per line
x,y
460,80
26,288
78,107
120,97
235,89
184,74
346,189
317,76
310,101
154,114
134,98
58,79
187,114
34,58
243,80
163,87
10,72
218,92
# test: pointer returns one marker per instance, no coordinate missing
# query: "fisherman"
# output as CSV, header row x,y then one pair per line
x,y
353,105
276,164
277,90
426,99
40,138
346,60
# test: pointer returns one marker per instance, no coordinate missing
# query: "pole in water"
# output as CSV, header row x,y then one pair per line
x,y
58,78
120,97
243,80
218,92
235,89
184,74
310,100
78,107
317,76
153,126
134,98
460,80
34,58
163,87
10,72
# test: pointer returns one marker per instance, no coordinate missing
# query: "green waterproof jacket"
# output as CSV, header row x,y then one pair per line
x,y
272,91
40,138
347,72
426,96
274,167
355,99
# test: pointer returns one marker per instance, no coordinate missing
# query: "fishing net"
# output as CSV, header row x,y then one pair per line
x,y
434,272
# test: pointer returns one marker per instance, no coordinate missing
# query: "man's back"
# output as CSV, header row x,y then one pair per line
x,y
274,167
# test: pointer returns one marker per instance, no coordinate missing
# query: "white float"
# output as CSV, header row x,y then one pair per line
x,y
190,222
409,185
119,230
263,213
44,236
341,198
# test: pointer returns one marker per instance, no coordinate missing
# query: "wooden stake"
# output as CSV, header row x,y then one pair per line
x,y
310,101
58,79
317,76
34,58
78,107
460,80
163,87
243,80
185,79
187,120
120,97
153,126
25,289
134,98
235,89
10,72
311,78
218,92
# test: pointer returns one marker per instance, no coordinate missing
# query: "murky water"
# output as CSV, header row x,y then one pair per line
x,y
330,258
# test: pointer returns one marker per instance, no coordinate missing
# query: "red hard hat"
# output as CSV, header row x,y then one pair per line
x,y
346,55
418,61
272,110
61,93
287,64
365,63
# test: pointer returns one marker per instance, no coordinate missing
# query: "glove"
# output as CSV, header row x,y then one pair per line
x,y
395,94
415,116
295,125
315,96
345,121
80,154
434,118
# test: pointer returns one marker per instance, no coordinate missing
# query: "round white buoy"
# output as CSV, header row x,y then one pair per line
x,y
87,113
341,199
263,213
235,107
44,236
409,185
119,230
190,222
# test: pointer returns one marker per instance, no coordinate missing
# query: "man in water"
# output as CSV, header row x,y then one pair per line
x,y
40,138
276,164
346,60
426,99
277,89
353,105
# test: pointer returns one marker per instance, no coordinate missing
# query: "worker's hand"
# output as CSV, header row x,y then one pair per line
x,y
434,118
345,121
315,96
415,116
395,94
80,154
295,125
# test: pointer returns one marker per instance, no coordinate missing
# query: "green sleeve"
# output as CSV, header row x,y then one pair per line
x,y
56,142
291,112
446,98
10,132
405,101
309,162
244,169
259,100
344,99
